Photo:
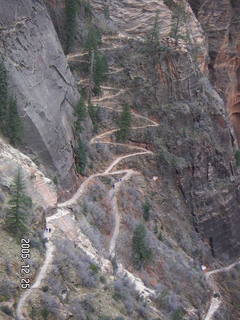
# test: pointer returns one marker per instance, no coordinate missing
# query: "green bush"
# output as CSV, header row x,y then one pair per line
x,y
71,22
142,254
178,314
7,310
93,113
81,157
45,288
93,39
80,114
124,124
45,313
146,210
237,158
94,268
99,72
17,214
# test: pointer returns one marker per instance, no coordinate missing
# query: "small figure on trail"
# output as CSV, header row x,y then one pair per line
x,y
113,186
203,267
49,230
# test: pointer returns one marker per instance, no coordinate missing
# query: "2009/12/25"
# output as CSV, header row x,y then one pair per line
x,y
25,269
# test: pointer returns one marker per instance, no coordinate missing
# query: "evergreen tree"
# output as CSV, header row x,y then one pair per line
x,y
155,35
80,114
71,16
3,95
18,207
81,157
13,123
93,113
142,254
146,210
237,158
92,42
99,73
106,12
93,39
124,123
179,19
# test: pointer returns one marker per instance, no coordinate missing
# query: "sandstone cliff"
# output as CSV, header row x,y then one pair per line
x,y
42,83
175,176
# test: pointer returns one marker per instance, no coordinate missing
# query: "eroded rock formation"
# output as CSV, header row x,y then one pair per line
x,y
42,83
220,21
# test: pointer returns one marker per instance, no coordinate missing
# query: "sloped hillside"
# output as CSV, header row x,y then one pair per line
x,y
120,108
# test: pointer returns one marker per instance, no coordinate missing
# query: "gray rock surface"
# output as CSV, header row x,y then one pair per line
x,y
42,83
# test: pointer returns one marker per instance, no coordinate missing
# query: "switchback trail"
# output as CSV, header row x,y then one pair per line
x,y
216,301
63,210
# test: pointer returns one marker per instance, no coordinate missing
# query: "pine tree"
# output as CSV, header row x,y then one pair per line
x,y
93,39
124,123
94,115
80,114
106,11
3,95
81,157
142,254
13,123
237,158
71,16
146,210
18,207
91,44
99,73
155,35
179,19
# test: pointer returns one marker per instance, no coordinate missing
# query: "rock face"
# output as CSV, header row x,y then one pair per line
x,y
175,175
42,83
220,20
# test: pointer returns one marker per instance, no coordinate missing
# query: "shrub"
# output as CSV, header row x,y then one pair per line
x,y
80,114
18,207
7,310
45,288
93,39
71,15
81,157
99,72
146,210
124,123
94,115
178,314
7,290
45,313
94,268
142,254
237,158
